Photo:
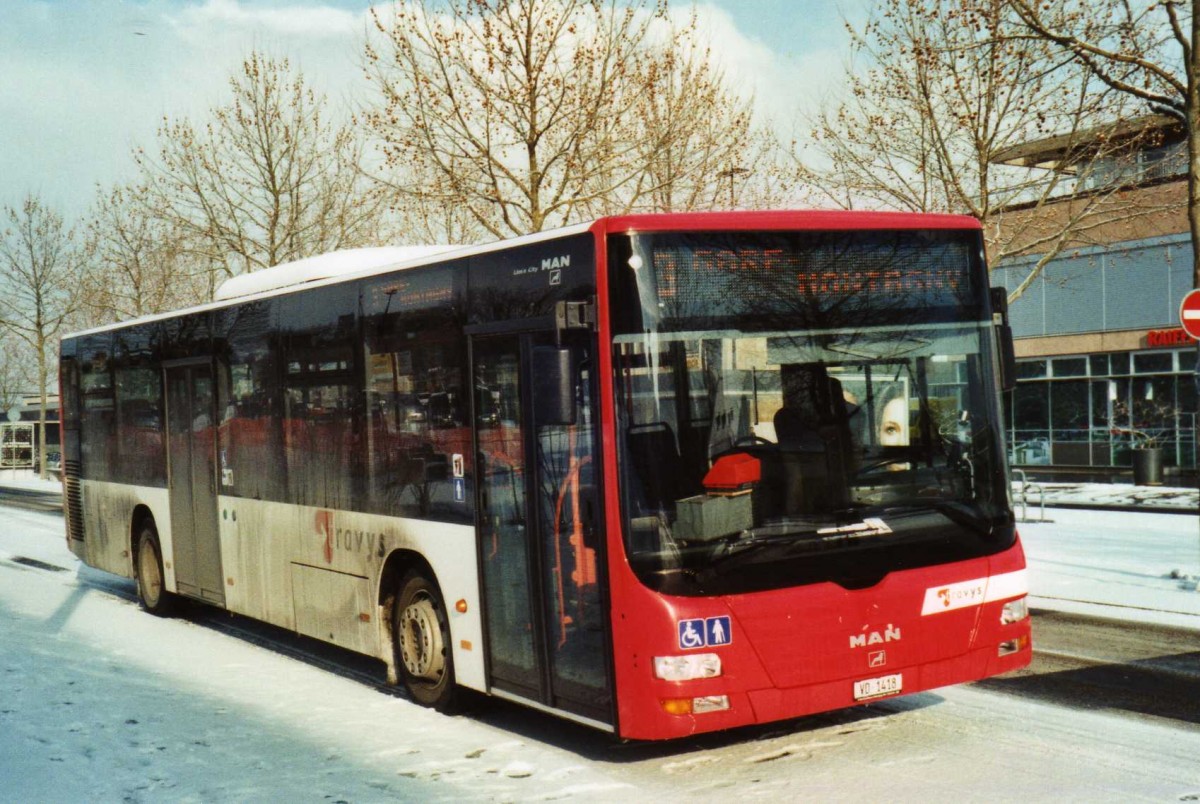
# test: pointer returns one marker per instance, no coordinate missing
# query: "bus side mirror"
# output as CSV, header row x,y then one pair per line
x,y
1004,338
1008,358
553,385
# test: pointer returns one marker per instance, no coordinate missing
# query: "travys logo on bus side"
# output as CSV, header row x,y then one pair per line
x,y
346,539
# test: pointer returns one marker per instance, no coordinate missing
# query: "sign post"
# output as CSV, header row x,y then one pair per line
x,y
1189,319
1189,313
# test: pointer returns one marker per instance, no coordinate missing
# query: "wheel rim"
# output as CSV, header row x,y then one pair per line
x,y
148,572
421,647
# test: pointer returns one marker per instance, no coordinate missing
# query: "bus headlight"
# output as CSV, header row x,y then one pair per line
x,y
686,668
1014,611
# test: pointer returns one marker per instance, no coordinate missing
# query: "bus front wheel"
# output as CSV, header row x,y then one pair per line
x,y
152,592
422,642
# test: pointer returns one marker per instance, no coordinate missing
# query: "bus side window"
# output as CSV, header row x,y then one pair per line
x,y
321,420
96,388
249,403
417,438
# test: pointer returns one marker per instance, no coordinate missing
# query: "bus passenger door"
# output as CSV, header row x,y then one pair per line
x,y
540,531
192,480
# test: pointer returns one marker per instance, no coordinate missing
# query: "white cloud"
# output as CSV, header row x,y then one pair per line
x,y
84,82
301,21
783,85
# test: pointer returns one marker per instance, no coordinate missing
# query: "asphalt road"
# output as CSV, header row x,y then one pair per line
x,y
30,499
1092,663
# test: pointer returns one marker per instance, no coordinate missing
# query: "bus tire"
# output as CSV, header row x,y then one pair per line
x,y
421,636
151,581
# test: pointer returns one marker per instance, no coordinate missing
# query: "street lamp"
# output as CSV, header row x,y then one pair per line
x,y
730,173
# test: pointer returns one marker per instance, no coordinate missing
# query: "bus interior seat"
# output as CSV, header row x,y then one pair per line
x,y
693,453
813,429
654,454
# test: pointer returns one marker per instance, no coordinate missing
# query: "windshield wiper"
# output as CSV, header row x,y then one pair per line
x,y
810,536
960,513
802,535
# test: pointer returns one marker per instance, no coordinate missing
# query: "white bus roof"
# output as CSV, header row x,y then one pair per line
x,y
322,266
349,263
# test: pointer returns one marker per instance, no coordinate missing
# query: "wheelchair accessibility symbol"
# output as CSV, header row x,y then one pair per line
x,y
704,632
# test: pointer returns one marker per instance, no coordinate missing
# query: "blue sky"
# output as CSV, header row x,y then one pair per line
x,y
82,82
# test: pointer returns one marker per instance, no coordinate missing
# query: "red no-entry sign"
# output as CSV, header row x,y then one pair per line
x,y
1189,313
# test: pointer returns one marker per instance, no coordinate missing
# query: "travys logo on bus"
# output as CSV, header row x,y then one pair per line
x,y
345,539
954,596
975,592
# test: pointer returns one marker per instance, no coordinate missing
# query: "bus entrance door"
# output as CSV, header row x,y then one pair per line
x,y
192,480
539,533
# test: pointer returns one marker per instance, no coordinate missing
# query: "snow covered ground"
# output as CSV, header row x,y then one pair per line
x,y
101,702
1130,566
1125,495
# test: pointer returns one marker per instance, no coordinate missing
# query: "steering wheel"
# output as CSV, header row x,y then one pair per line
x,y
877,465
751,440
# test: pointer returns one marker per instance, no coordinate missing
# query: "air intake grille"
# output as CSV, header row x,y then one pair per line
x,y
73,500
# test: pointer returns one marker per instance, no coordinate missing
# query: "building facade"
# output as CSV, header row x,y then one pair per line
x,y
1103,366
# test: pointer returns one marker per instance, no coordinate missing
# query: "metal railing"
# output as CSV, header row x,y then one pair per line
x,y
1023,496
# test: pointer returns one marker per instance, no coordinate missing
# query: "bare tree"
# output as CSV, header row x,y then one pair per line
x,y
1143,50
14,370
437,214
946,93
532,113
40,267
140,259
523,108
700,146
267,179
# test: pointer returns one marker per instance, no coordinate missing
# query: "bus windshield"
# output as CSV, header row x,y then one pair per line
x,y
804,408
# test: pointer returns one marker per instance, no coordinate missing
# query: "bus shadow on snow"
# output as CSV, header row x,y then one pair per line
x,y
1153,687
598,746
531,724
588,743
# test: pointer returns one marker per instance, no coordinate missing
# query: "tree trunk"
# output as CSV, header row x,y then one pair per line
x,y
42,403
1192,112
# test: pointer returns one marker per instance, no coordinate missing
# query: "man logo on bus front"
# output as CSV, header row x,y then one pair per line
x,y
324,527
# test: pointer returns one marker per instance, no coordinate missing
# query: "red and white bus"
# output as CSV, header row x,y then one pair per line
x,y
659,474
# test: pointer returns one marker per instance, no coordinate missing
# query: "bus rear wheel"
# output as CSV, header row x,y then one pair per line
x,y
421,635
152,591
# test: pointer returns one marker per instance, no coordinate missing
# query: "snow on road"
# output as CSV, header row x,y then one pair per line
x,y
1126,495
102,702
1116,564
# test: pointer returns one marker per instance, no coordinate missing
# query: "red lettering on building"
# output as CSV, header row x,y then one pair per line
x,y
1167,337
